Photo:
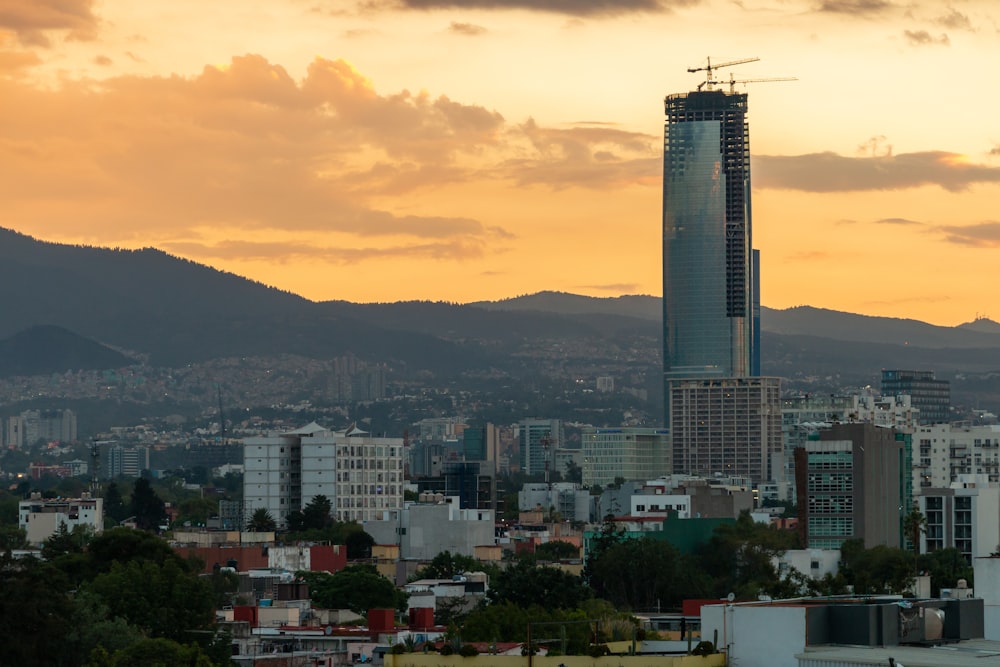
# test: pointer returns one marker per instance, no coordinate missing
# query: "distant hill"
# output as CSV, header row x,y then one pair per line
x,y
175,312
50,349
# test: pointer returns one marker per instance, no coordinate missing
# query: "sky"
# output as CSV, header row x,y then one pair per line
x,y
465,150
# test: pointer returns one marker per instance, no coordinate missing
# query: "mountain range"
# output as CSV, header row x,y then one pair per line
x,y
169,312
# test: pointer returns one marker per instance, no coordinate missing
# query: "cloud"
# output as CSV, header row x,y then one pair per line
x,y
570,7
31,19
856,7
246,151
829,172
924,38
15,62
103,61
980,235
455,249
469,29
616,288
955,20
897,221
600,157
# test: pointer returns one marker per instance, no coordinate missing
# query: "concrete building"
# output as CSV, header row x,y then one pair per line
x,y
30,426
628,453
965,516
569,500
41,517
127,461
945,452
728,426
434,524
853,484
360,475
690,498
837,632
803,417
539,439
930,396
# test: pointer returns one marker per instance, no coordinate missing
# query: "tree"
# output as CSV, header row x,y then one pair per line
x,y
316,515
64,542
356,587
114,504
165,600
446,565
262,521
12,537
646,574
155,652
740,557
147,508
359,545
295,521
36,613
914,525
527,584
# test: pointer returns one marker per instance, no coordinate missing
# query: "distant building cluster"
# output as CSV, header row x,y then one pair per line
x,y
31,426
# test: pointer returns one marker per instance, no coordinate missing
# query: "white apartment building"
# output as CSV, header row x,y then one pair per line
x,y
41,517
965,515
361,475
944,452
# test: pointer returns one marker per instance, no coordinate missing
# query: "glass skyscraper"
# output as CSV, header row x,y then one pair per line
x,y
709,283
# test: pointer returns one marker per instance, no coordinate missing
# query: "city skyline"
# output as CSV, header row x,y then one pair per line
x,y
465,150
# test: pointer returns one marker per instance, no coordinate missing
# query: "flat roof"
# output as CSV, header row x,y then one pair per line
x,y
966,653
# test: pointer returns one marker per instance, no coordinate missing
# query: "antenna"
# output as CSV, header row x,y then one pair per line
x,y
709,81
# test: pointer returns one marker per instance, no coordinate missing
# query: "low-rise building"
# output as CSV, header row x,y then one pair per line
x,y
41,517
433,524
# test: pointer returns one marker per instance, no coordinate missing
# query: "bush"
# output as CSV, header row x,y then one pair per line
x,y
703,648
446,649
398,649
468,650
598,650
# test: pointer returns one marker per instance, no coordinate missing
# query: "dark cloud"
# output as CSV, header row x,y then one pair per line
x,y
857,7
980,235
924,38
897,221
994,151
31,19
954,20
469,29
570,7
829,172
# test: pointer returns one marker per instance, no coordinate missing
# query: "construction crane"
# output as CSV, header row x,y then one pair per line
x,y
709,81
732,82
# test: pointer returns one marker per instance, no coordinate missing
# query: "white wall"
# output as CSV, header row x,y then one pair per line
x,y
756,635
987,583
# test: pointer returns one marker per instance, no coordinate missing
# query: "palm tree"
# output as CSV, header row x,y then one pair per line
x,y
262,521
914,525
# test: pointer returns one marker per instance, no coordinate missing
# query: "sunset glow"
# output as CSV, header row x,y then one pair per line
x,y
462,150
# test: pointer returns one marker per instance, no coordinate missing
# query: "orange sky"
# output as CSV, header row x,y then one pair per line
x,y
478,149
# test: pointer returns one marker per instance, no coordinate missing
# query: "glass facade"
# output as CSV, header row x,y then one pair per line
x,y
708,295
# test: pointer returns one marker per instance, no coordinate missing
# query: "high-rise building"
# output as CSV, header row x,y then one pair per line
x,y
127,461
853,483
539,439
709,293
932,397
728,427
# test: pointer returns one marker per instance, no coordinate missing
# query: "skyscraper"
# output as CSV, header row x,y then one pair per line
x,y
709,293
